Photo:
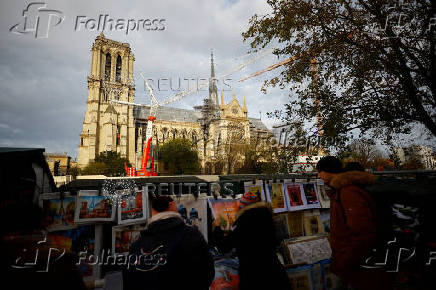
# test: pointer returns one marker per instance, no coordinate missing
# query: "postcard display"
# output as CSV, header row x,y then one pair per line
x,y
302,219
75,223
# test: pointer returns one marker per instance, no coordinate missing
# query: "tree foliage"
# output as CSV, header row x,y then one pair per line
x,y
179,157
108,163
365,66
74,171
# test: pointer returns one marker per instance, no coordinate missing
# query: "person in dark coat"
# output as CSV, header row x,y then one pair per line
x,y
352,225
30,260
171,254
254,238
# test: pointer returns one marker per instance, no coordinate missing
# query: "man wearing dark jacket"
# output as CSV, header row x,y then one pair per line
x,y
169,254
352,225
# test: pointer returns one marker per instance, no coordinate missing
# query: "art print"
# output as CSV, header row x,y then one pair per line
x,y
275,195
58,212
224,212
193,211
310,192
132,206
94,208
295,198
256,188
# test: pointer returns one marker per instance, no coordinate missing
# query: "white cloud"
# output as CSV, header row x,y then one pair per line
x,y
4,126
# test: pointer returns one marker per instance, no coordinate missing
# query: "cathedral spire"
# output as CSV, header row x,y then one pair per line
x,y
213,92
212,68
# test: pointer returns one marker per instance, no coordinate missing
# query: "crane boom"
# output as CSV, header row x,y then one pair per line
x,y
271,67
347,35
128,103
183,94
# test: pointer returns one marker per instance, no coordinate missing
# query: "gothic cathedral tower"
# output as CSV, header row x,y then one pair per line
x,y
109,126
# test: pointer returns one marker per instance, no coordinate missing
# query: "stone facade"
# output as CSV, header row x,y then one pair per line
x,y
212,127
107,127
59,163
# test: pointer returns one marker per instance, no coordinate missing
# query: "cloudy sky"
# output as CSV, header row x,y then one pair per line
x,y
43,80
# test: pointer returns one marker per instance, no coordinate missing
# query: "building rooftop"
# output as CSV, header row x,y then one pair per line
x,y
258,124
185,115
169,114
15,149
56,154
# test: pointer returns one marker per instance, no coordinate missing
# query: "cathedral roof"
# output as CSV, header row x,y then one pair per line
x,y
169,114
257,124
183,115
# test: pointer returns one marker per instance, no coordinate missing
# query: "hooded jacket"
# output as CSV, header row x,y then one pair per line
x,y
174,256
352,219
255,242
353,229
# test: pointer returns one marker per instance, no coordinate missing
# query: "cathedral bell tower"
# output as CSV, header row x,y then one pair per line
x,y
109,126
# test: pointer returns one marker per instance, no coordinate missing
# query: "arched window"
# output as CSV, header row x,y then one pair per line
x,y
118,135
107,67
155,135
164,134
118,70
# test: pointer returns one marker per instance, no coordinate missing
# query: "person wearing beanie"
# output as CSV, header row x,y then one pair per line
x,y
254,239
352,225
249,198
174,255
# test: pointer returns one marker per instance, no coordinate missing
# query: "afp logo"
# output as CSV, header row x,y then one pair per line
x,y
38,20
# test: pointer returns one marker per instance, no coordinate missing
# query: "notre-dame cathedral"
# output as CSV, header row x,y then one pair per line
x,y
214,128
